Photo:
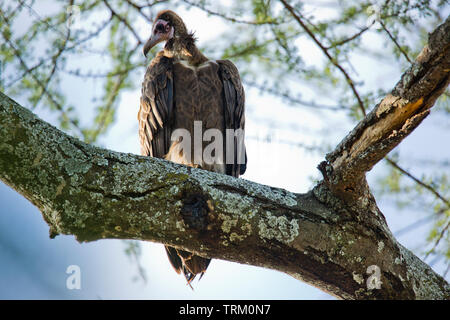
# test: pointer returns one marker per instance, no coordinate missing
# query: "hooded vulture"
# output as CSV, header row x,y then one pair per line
x,y
182,87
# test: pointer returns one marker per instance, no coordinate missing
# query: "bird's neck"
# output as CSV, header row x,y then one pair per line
x,y
184,48
194,57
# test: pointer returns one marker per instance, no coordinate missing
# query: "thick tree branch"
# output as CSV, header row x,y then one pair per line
x,y
94,194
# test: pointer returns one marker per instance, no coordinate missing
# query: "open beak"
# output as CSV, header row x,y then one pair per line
x,y
154,40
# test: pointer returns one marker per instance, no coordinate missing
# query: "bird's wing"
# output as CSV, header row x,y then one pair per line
x,y
156,109
234,114
174,259
155,120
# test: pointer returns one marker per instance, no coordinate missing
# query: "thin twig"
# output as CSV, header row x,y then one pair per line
x,y
292,100
55,60
292,144
325,51
35,78
447,270
414,225
98,75
418,181
40,19
344,41
221,15
123,20
139,8
67,49
395,41
436,243
112,97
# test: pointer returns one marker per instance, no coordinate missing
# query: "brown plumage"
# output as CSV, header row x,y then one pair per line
x,y
181,86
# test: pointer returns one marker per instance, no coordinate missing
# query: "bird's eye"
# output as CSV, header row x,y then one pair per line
x,y
159,27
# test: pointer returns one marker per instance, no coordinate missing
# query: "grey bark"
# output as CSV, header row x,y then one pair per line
x,y
329,237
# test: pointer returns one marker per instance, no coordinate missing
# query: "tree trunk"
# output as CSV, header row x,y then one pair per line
x,y
333,237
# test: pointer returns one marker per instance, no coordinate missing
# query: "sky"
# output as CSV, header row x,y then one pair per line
x,y
32,266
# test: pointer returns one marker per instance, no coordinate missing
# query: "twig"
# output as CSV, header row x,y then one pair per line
x,y
111,99
293,144
414,225
139,10
292,100
447,270
36,79
68,48
103,75
395,41
356,35
55,61
325,51
441,235
124,21
418,181
221,15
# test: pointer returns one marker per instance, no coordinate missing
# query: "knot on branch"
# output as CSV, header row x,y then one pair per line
x,y
195,211
350,188
326,169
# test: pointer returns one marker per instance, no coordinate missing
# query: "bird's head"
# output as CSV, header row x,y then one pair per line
x,y
168,25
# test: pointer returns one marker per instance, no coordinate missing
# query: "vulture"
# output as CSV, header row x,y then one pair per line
x,y
183,87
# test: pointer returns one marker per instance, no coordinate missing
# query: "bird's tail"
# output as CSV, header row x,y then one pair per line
x,y
188,263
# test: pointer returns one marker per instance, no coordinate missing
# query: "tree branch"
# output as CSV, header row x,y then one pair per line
x,y
94,194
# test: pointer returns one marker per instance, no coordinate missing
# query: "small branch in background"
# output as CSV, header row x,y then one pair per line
x,y
73,46
350,82
231,19
40,19
293,144
249,49
139,8
58,106
432,190
438,240
292,100
55,59
446,271
418,181
102,123
134,252
414,225
36,66
344,41
395,41
124,21
97,75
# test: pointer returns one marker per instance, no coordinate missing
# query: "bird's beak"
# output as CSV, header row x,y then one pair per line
x,y
154,40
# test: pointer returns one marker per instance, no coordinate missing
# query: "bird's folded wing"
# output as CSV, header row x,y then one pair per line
x,y
156,108
234,113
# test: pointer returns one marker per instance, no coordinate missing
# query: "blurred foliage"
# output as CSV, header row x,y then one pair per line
x,y
133,251
270,47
